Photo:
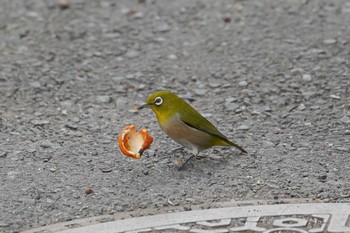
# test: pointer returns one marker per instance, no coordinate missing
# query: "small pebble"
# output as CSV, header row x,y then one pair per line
x,y
243,83
266,109
63,5
66,104
218,101
138,15
227,19
172,57
111,35
330,41
200,91
52,169
3,154
296,71
308,124
71,126
346,149
316,107
89,191
45,144
132,54
345,119
231,99
301,107
143,205
268,143
164,27
141,87
307,78
335,97
243,127
104,99
12,175
159,39
118,78
40,122
322,178
47,158
214,84
145,172
35,84
294,85
241,109
276,130
231,106
215,156
106,170
308,94
30,201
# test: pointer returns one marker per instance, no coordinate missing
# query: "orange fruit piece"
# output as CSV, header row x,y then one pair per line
x,y
133,143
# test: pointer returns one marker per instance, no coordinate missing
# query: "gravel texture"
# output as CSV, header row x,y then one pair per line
x,y
272,75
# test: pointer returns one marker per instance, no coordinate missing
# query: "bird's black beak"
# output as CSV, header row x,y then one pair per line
x,y
144,106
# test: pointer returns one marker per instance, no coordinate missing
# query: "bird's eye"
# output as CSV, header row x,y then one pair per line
x,y
158,101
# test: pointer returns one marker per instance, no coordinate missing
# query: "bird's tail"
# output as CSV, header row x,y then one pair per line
x,y
229,143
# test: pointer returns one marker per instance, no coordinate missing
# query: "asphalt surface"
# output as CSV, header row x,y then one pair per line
x,y
272,75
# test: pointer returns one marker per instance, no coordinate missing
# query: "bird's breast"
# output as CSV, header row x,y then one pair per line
x,y
185,135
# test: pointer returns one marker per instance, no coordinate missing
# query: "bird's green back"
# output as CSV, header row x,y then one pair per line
x,y
173,104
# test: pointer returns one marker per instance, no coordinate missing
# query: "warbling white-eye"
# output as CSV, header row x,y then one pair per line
x,y
182,123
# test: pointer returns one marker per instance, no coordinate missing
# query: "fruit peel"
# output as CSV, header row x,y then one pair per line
x,y
133,143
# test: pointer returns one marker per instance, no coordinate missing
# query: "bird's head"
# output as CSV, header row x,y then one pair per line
x,y
163,103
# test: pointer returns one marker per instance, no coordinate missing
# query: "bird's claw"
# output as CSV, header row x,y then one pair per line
x,y
180,165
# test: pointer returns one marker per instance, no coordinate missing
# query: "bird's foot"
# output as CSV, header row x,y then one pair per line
x,y
180,165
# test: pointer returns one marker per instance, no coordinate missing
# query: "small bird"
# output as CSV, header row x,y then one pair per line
x,y
182,123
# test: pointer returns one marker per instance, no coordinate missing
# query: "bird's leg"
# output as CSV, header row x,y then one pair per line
x,y
186,161
180,148
194,154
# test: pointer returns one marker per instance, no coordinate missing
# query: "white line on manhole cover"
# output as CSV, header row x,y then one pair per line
x,y
310,218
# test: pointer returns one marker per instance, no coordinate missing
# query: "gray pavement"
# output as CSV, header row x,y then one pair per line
x,y
273,76
292,218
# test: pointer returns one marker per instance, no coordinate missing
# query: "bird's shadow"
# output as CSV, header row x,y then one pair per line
x,y
209,160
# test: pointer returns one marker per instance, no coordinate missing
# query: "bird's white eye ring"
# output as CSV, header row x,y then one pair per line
x,y
158,101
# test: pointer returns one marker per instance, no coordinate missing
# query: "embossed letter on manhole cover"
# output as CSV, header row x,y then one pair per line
x,y
291,218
